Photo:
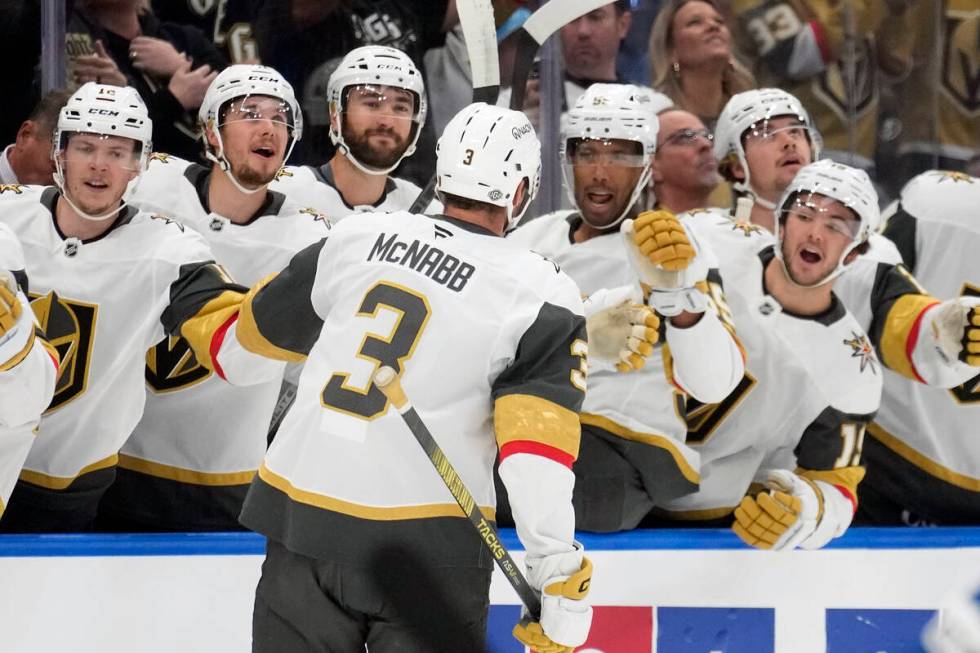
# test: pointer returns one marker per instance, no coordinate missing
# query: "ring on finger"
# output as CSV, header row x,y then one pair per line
x,y
133,54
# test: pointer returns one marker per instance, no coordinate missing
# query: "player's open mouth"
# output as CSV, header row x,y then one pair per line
x,y
266,152
599,198
97,185
810,256
791,161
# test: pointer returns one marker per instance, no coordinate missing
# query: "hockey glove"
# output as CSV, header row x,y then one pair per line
x,y
956,329
619,329
666,258
566,616
16,323
10,308
796,511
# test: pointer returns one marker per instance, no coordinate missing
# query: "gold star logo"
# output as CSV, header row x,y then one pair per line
x,y
861,348
162,157
317,216
955,177
747,228
17,189
283,173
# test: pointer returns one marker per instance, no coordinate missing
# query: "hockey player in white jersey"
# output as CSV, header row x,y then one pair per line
x,y
921,451
795,422
28,366
190,460
633,450
106,283
762,138
366,544
377,108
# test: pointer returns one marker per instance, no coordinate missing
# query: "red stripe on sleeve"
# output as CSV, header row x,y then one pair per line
x,y
537,449
216,342
913,340
850,497
54,359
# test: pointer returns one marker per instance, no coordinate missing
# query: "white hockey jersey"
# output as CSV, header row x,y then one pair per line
x,y
642,406
27,377
315,187
923,452
197,429
489,339
811,385
102,304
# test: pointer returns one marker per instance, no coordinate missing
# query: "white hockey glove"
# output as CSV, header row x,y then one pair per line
x,y
796,511
666,258
566,617
956,329
16,322
620,329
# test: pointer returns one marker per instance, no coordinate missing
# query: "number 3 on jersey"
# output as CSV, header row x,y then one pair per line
x,y
413,312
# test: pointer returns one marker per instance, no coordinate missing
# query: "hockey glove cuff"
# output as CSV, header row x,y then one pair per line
x,y
566,616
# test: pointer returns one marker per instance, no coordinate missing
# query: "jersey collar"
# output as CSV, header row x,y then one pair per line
x,y
200,178
49,200
835,312
324,174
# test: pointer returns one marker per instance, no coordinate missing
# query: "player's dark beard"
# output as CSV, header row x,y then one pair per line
x,y
252,178
361,149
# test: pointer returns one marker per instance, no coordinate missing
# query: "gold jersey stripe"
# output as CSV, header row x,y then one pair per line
x,y
652,439
695,515
374,513
849,477
61,482
199,330
902,318
182,475
16,359
250,336
526,417
922,462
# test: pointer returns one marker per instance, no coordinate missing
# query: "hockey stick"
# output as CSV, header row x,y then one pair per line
x,y
544,22
476,19
389,384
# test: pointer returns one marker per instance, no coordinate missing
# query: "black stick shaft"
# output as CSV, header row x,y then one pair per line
x,y
488,533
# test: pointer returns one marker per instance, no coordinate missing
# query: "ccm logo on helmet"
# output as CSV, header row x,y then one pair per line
x,y
261,78
519,132
104,112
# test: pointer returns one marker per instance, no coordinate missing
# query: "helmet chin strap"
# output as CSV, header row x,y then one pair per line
x,y
634,196
338,139
59,180
839,270
743,187
225,164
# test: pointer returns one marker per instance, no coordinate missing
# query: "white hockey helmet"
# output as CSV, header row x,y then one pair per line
x,y
108,111
613,111
485,153
850,186
743,112
375,65
241,80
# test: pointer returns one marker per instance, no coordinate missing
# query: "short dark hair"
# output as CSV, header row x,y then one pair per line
x,y
47,109
466,204
623,6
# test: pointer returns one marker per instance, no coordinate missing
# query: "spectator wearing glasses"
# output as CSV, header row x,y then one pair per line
x,y
692,58
685,170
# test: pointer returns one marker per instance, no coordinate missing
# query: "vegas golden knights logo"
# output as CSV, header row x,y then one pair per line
x,y
836,87
171,365
961,59
69,326
969,392
703,419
